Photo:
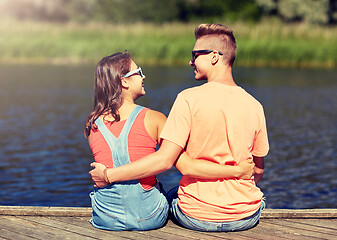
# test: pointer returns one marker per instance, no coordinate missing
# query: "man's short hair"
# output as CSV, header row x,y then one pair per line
x,y
219,38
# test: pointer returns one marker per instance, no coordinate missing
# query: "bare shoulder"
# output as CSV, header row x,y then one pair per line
x,y
155,117
154,123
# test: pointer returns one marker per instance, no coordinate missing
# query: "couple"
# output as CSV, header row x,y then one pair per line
x,y
215,135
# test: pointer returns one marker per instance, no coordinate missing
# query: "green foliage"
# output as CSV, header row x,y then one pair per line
x,y
263,44
176,10
56,10
119,11
81,10
311,11
159,11
268,6
224,10
130,11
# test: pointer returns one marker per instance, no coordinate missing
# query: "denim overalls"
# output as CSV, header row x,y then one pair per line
x,y
126,205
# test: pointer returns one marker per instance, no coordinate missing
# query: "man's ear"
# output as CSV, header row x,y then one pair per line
x,y
125,83
215,59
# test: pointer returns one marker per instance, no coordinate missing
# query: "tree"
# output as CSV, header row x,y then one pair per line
x,y
311,11
222,10
177,10
56,10
138,10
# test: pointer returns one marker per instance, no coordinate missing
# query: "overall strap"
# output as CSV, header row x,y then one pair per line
x,y
119,146
129,122
113,142
107,135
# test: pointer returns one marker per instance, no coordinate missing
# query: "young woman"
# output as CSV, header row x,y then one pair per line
x,y
120,132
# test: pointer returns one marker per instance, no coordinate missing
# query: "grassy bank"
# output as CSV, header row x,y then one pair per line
x,y
264,44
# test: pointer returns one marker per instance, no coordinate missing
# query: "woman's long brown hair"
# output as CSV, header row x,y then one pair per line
x,y
108,87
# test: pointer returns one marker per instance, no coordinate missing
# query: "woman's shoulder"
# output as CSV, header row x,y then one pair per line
x,y
153,115
154,122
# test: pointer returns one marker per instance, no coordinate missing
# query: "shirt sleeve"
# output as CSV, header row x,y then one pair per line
x,y
261,144
178,124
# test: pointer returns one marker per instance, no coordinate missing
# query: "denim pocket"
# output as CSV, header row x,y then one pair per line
x,y
250,221
189,223
242,225
156,219
102,218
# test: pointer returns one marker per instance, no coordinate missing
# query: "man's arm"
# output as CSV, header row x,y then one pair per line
x,y
259,168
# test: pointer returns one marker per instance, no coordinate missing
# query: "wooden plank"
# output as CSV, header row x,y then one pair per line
x,y
299,213
73,223
83,232
271,231
83,222
216,235
225,235
299,230
153,234
86,212
313,228
9,235
170,231
260,232
22,227
324,223
177,231
266,231
45,211
171,227
25,229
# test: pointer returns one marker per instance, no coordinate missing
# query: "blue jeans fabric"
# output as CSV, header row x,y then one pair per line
x,y
194,224
126,205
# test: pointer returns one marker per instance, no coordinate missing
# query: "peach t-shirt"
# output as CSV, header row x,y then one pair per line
x,y
222,124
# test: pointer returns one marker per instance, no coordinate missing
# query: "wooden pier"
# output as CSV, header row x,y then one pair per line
x,y
73,223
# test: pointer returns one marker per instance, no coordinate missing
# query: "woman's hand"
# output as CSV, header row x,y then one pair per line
x,y
97,174
246,169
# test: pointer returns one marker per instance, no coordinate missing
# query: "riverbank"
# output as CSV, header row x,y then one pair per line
x,y
269,43
73,223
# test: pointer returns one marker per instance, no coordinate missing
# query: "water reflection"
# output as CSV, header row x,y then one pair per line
x,y
45,158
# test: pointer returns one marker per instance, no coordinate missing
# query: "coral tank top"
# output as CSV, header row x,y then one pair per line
x,y
140,144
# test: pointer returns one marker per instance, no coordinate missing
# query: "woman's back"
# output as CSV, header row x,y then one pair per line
x,y
140,144
130,205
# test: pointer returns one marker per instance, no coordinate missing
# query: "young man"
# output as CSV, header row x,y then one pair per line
x,y
217,121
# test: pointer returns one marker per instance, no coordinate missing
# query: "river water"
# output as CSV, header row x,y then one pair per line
x,y
44,158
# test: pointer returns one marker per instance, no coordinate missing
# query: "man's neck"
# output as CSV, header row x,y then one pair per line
x,y
223,75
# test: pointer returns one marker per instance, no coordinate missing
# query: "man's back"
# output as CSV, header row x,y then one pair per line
x,y
222,124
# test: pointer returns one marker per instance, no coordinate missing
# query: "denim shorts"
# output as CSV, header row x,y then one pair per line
x,y
194,224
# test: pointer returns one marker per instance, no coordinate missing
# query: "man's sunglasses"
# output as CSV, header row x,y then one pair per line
x,y
138,71
199,52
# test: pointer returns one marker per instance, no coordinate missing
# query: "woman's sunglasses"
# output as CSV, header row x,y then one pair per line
x,y
138,71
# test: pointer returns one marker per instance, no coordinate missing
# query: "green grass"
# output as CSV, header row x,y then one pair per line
x,y
264,44
275,44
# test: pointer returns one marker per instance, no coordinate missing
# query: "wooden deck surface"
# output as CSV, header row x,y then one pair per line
x,y
73,223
